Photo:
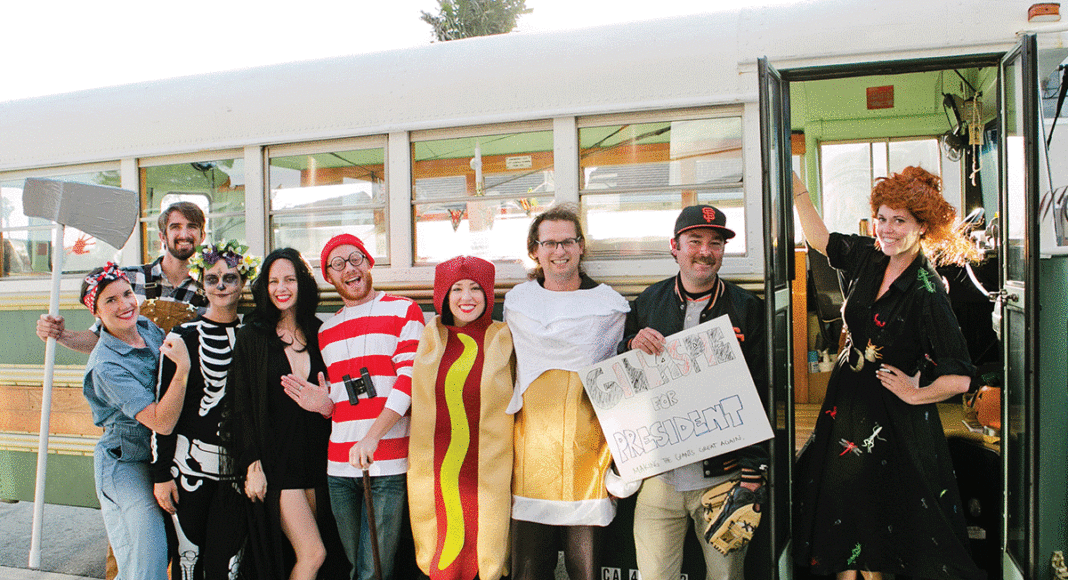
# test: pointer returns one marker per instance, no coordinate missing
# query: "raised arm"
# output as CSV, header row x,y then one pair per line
x,y
163,415
811,222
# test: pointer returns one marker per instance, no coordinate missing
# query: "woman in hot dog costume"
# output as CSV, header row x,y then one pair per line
x,y
462,381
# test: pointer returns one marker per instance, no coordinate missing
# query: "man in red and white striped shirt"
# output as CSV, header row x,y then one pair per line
x,y
368,347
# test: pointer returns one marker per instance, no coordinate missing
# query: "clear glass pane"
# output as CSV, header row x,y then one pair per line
x,y
1017,435
632,225
513,164
29,251
1015,174
921,153
217,186
657,168
492,229
879,162
845,170
781,250
308,233
663,154
334,179
228,227
482,191
798,162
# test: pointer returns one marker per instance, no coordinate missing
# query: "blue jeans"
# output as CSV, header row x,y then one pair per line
x,y
389,493
133,520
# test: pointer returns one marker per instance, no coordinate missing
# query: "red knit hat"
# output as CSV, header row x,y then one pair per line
x,y
341,240
459,268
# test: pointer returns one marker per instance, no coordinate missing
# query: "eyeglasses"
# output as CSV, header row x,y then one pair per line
x,y
227,279
355,258
568,244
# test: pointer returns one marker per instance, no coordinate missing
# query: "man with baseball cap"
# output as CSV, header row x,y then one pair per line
x,y
731,483
368,347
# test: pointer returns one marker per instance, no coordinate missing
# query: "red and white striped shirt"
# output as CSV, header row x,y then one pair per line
x,y
381,335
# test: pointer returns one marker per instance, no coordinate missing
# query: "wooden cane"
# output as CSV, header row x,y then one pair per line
x,y
371,524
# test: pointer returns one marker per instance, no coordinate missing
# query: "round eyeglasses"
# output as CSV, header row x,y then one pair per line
x,y
355,258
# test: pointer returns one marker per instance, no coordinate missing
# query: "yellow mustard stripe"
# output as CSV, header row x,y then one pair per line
x,y
457,450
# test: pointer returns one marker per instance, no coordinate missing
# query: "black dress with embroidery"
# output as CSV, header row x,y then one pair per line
x,y
876,487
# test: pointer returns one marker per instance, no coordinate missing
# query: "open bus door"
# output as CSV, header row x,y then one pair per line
x,y
778,274
1018,302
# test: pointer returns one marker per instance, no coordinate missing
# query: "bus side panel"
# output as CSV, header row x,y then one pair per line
x,y
70,480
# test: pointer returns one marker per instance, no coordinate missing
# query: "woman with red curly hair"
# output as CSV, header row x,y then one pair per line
x,y
877,491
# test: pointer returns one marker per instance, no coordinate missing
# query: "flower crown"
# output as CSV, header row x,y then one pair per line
x,y
231,251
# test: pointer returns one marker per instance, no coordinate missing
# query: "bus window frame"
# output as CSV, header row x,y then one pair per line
x,y
292,149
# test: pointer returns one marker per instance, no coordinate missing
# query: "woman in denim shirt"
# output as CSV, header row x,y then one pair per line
x,y
120,381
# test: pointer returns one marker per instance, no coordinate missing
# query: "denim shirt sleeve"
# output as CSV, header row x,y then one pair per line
x,y
118,386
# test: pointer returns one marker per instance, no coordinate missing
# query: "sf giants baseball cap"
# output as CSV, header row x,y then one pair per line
x,y
702,216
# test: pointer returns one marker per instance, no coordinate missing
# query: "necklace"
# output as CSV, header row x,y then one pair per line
x,y
364,384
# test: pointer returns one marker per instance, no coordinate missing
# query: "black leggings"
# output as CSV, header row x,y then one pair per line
x,y
535,546
210,522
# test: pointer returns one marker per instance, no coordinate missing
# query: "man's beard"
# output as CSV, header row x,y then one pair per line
x,y
368,288
182,254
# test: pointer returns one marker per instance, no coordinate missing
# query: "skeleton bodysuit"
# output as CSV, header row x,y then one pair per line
x,y
207,544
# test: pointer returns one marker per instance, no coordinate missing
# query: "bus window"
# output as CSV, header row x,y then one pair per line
x,y
216,185
636,176
27,241
848,171
319,193
476,194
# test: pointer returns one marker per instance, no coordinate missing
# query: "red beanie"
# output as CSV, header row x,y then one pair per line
x,y
341,240
459,268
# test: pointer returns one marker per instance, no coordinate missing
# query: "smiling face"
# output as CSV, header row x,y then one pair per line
x,y
898,232
181,237
117,307
223,285
467,302
560,263
353,283
282,284
699,253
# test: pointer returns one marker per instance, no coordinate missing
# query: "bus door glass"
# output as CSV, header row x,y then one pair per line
x,y
1017,299
778,261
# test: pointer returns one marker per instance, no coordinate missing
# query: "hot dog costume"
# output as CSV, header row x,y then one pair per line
x,y
462,382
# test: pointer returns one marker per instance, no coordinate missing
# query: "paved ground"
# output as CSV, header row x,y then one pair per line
x,y
73,543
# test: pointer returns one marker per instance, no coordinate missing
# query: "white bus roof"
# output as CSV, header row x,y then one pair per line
x,y
668,63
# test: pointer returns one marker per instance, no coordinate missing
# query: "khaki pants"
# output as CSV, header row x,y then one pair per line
x,y
661,518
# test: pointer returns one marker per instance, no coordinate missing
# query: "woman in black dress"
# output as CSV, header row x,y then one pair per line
x,y
280,447
877,492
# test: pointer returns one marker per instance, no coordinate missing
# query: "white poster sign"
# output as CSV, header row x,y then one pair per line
x,y
694,401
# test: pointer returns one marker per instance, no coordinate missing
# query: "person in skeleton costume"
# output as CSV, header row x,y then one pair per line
x,y
189,484
462,382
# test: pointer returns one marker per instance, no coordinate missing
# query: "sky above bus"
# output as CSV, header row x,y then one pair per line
x,y
60,46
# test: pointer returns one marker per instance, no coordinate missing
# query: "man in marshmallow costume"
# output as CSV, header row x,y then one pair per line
x,y
561,321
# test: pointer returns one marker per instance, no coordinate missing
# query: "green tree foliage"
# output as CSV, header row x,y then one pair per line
x,y
468,18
